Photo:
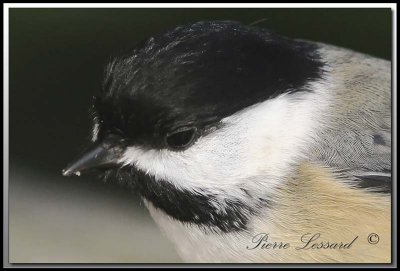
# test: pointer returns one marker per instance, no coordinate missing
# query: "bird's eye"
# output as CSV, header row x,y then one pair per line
x,y
181,138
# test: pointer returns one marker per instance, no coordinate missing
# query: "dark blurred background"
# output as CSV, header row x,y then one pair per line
x,y
57,57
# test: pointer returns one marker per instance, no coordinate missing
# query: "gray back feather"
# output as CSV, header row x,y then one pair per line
x,y
357,140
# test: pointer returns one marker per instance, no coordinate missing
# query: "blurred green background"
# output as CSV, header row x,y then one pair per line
x,y
57,57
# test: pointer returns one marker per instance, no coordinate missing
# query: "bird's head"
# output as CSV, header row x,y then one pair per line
x,y
205,120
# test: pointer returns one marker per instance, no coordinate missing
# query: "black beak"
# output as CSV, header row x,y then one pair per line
x,y
103,154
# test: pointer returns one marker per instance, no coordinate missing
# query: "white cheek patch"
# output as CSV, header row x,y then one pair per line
x,y
259,143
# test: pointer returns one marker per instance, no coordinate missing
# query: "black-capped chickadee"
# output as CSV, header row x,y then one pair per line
x,y
251,147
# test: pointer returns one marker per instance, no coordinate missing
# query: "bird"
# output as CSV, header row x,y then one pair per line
x,y
247,146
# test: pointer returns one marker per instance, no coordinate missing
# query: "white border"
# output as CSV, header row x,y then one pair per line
x,y
7,6
5,135
200,5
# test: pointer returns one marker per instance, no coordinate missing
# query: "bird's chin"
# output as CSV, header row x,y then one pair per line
x,y
199,207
